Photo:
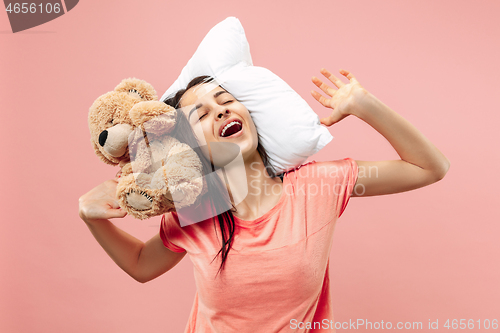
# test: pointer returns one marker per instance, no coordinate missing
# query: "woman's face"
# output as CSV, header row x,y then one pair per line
x,y
218,118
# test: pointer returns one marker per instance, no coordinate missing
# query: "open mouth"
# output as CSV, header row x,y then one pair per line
x,y
231,128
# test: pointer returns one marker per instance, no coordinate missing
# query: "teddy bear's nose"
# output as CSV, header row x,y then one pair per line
x,y
102,137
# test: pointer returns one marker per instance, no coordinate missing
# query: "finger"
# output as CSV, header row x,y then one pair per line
x,y
336,81
320,98
323,86
332,119
325,121
116,213
348,75
115,205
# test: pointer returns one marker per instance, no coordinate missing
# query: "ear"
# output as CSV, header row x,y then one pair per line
x,y
137,88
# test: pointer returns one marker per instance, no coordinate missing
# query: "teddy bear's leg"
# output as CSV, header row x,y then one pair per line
x,y
126,170
139,201
132,192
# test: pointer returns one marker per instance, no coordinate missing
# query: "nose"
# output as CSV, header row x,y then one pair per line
x,y
221,113
102,138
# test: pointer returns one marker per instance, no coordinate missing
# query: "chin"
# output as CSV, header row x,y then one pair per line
x,y
247,144
249,152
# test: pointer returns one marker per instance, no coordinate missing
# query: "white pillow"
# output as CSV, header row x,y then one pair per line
x,y
290,130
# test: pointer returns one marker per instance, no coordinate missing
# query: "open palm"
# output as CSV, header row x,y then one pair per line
x,y
344,101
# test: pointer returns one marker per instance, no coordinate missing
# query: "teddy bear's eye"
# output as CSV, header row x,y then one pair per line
x,y
135,92
111,121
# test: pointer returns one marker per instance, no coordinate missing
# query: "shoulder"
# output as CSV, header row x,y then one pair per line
x,y
170,223
322,188
319,170
170,231
181,234
184,221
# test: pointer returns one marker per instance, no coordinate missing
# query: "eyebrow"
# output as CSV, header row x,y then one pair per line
x,y
217,94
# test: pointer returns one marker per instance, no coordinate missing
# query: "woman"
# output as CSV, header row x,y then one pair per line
x,y
275,276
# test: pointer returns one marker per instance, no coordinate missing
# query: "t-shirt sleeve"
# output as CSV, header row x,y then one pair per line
x,y
326,186
168,228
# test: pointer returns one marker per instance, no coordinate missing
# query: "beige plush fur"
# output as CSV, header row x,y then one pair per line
x,y
129,127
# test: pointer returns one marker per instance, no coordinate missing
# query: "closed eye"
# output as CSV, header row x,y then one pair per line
x,y
223,103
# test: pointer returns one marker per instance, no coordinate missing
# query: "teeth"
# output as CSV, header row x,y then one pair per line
x,y
227,126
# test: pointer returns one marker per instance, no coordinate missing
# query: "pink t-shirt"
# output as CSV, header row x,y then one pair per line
x,y
276,276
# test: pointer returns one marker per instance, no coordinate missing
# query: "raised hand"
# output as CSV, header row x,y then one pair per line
x,y
346,100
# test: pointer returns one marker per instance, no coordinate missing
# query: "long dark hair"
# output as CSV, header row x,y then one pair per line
x,y
184,133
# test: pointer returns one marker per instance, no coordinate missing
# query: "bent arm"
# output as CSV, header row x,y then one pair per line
x,y
142,261
155,259
421,162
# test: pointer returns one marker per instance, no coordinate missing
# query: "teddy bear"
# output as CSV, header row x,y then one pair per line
x,y
130,128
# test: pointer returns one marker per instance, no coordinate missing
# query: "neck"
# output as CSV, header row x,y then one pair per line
x,y
256,193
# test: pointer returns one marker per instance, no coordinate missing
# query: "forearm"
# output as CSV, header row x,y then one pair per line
x,y
122,247
411,145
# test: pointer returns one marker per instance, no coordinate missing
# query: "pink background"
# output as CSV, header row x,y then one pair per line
x,y
427,254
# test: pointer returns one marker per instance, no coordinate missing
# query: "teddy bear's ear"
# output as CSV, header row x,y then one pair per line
x,y
137,88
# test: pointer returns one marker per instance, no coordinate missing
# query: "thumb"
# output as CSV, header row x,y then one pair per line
x,y
115,205
326,121
332,119
116,213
